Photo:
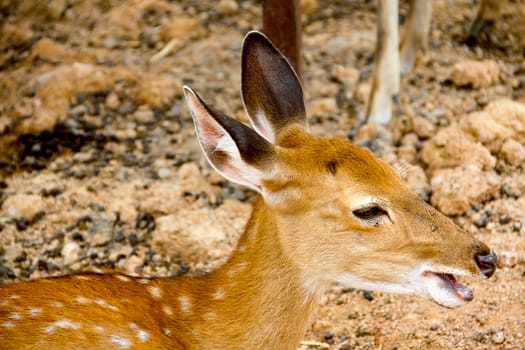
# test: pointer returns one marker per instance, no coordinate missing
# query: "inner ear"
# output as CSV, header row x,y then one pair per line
x,y
271,91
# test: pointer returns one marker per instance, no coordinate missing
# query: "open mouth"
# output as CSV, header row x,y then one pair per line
x,y
446,290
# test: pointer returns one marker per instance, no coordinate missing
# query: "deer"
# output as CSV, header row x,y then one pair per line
x,y
396,51
325,211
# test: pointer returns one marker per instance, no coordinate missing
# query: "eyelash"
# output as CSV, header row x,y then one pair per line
x,y
371,213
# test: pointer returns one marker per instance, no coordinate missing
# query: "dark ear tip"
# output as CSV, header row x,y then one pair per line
x,y
255,35
255,39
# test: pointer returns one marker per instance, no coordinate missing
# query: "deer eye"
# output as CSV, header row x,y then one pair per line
x,y
371,212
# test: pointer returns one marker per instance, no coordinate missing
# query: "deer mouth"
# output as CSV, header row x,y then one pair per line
x,y
445,290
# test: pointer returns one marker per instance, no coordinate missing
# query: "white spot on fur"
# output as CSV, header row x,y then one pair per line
x,y
4,303
84,278
123,278
236,269
67,324
144,280
82,300
56,304
140,333
99,329
14,296
219,294
64,324
143,335
34,311
167,332
15,316
155,292
103,303
50,329
122,342
8,325
210,316
167,310
185,304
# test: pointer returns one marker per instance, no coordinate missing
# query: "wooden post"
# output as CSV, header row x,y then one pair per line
x,y
282,25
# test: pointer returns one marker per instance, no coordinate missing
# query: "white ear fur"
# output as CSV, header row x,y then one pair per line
x,y
219,147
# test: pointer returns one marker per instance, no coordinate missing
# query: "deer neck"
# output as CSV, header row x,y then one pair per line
x,y
257,300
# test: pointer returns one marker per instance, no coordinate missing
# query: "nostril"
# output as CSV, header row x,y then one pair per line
x,y
486,263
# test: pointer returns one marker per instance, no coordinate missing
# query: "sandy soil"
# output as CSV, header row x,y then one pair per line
x,y
99,166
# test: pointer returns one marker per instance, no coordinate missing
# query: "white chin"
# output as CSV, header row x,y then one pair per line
x,y
445,290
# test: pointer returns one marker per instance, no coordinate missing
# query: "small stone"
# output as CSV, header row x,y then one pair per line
x,y
498,338
23,206
228,7
479,336
513,152
368,295
70,252
329,335
509,259
133,239
127,108
120,253
505,220
348,76
112,101
110,42
481,222
323,106
101,238
164,173
133,263
143,115
119,236
180,28
48,50
423,127
21,258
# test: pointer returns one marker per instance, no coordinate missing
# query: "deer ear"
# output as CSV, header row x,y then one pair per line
x,y
271,90
237,152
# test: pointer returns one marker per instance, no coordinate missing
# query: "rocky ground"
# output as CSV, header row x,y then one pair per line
x,y
99,166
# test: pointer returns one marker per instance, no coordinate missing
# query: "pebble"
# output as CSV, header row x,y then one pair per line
x,y
368,295
101,238
498,338
110,42
133,263
164,173
228,7
133,239
119,252
143,115
423,127
70,252
23,206
112,101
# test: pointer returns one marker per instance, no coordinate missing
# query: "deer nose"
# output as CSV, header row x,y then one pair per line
x,y
486,263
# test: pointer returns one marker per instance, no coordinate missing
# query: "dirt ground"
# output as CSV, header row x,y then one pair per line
x,y
99,166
